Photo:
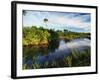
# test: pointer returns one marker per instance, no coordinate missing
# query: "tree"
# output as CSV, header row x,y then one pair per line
x,y
65,30
45,21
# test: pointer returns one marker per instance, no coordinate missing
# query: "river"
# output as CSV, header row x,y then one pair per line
x,y
56,50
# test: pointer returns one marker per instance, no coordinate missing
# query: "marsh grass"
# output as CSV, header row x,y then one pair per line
x,y
75,59
68,61
81,58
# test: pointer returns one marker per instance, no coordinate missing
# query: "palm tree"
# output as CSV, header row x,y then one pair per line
x,y
45,21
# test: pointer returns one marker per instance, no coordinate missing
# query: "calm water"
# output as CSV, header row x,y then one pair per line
x,y
56,50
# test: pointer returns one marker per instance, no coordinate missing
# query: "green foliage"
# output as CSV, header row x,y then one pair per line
x,y
71,35
36,66
35,36
24,66
68,61
81,58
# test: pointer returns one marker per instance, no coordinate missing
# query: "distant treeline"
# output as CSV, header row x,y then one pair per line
x,y
39,36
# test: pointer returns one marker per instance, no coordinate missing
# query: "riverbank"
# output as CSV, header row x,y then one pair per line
x,y
41,36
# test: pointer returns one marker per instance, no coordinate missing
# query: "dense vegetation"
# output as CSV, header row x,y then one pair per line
x,y
39,36
35,36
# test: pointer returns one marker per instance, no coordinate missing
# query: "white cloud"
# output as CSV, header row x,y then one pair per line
x,y
75,22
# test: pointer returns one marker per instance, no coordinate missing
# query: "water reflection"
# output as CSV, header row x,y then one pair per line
x,y
56,50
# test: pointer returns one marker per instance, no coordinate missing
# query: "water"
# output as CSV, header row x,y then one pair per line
x,y
56,50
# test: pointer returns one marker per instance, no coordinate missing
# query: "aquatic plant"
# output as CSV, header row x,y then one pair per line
x,y
24,66
76,58
68,61
81,58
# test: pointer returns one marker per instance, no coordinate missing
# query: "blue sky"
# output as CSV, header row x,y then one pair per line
x,y
78,22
